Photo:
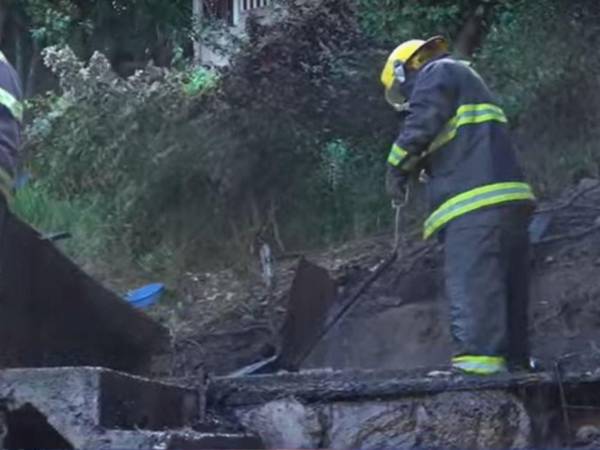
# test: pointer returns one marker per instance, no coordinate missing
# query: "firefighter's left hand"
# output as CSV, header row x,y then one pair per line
x,y
396,184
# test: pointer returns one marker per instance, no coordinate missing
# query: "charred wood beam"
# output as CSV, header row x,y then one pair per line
x,y
315,387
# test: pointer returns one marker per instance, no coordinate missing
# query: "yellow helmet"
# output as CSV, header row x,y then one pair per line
x,y
408,55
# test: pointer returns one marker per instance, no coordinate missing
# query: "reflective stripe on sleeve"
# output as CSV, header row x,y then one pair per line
x,y
401,158
6,185
8,100
12,104
397,155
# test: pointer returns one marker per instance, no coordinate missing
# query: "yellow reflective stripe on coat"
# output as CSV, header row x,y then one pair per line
x,y
8,100
474,199
397,155
12,104
6,185
400,157
468,115
479,365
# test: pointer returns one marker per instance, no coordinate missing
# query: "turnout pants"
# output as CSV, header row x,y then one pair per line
x,y
487,284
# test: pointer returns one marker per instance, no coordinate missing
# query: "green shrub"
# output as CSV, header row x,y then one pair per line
x,y
86,219
391,22
200,81
193,164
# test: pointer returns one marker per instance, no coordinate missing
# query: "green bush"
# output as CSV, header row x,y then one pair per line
x,y
192,164
200,81
128,142
86,219
189,166
348,193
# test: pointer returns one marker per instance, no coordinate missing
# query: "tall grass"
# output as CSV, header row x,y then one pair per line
x,y
86,219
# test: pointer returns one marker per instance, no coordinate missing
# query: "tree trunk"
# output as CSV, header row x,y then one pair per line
x,y
198,11
3,14
34,63
19,55
470,37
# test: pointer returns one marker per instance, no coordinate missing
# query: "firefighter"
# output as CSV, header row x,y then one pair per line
x,y
11,117
457,137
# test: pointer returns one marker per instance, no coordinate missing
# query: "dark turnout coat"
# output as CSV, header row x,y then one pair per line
x,y
456,132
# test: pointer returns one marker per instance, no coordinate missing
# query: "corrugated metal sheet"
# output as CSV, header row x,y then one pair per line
x,y
312,295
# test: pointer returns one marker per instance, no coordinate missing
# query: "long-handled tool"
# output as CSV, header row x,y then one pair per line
x,y
397,206
322,291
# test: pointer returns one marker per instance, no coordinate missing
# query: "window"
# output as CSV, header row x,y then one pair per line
x,y
247,5
219,9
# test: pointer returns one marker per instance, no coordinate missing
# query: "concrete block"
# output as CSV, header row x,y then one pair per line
x,y
172,440
78,402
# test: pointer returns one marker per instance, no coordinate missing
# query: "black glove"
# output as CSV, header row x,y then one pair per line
x,y
395,184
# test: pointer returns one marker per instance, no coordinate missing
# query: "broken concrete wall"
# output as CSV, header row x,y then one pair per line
x,y
53,314
415,409
492,419
61,408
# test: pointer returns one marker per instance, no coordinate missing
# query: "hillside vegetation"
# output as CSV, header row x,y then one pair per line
x,y
180,168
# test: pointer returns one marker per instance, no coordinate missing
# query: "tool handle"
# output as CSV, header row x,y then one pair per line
x,y
342,312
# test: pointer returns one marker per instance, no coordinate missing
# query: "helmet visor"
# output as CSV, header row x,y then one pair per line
x,y
395,97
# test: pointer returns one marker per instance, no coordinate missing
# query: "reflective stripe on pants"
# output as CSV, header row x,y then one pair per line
x,y
479,365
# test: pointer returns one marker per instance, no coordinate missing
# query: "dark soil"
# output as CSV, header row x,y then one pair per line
x,y
399,323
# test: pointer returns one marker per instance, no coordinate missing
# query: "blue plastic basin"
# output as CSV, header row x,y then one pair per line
x,y
146,295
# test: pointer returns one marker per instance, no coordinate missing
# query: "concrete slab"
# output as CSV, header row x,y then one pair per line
x,y
53,314
176,440
77,402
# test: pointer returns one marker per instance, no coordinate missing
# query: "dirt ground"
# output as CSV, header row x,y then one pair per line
x,y
224,323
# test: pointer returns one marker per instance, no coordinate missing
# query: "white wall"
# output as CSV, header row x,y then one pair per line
x,y
241,10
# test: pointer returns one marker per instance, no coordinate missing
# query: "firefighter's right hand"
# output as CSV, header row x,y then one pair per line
x,y
396,184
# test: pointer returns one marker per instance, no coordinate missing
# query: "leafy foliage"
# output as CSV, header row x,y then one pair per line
x,y
84,217
200,81
113,138
191,166
540,57
391,22
202,164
